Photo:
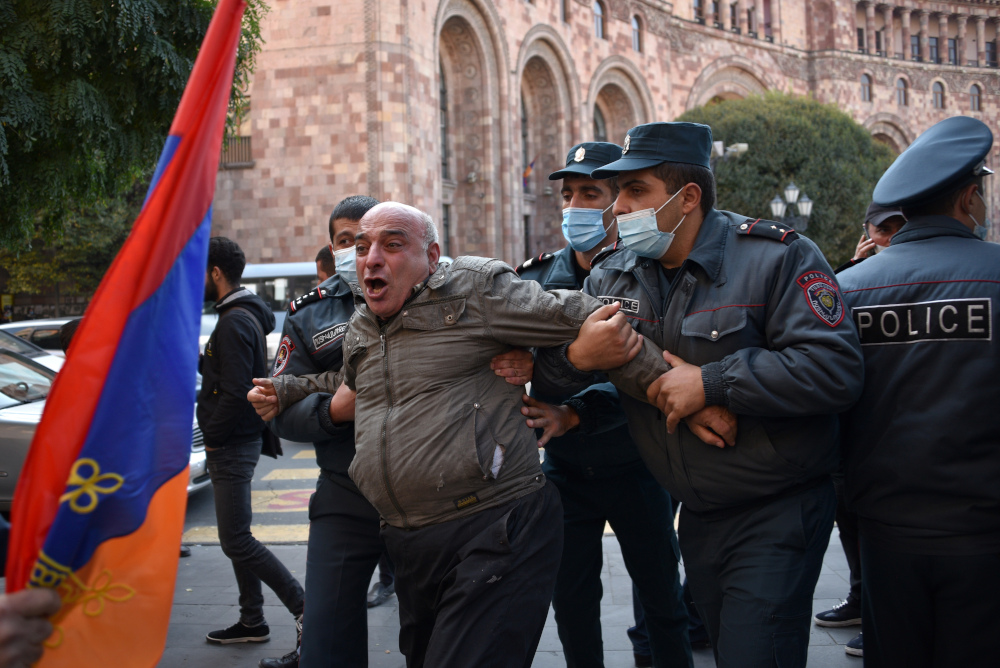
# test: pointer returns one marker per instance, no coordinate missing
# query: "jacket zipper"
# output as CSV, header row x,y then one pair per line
x,y
383,446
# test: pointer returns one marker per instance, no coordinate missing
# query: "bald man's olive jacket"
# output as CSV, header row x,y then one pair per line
x,y
438,434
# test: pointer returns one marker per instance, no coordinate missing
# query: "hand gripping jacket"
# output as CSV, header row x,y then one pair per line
x,y
757,307
312,343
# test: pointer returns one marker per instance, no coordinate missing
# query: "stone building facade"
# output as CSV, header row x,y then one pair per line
x,y
463,107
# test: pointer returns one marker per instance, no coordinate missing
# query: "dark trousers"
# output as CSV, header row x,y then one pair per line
x,y
344,547
923,611
847,526
638,510
752,573
475,591
231,469
386,571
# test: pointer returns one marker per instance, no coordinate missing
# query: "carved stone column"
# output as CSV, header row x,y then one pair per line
x,y
741,11
925,45
869,26
758,18
727,15
960,40
888,42
943,38
981,40
904,19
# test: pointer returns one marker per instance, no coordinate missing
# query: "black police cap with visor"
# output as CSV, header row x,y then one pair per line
x,y
584,158
946,157
653,144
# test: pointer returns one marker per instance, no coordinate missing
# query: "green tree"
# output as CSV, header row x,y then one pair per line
x,y
829,156
88,89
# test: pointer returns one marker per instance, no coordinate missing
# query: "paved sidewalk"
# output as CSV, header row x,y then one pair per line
x,y
206,597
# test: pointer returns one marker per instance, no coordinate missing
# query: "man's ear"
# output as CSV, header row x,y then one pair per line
x,y
691,198
433,254
330,246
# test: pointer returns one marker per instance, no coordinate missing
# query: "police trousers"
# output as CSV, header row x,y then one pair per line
x,y
924,611
753,572
638,510
475,591
344,548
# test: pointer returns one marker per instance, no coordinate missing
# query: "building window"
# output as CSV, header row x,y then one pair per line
x,y
953,51
600,127
914,47
636,35
901,93
991,53
563,10
932,51
598,20
861,41
866,88
878,42
734,17
443,107
699,11
236,153
716,13
938,90
975,98
446,229
526,161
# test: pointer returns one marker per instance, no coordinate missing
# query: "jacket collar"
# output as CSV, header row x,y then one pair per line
x,y
927,227
562,272
336,286
235,295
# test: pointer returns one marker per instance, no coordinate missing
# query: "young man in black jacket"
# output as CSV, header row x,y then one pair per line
x,y
234,355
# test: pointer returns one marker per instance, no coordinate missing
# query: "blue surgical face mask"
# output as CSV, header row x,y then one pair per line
x,y
981,230
346,262
584,228
640,234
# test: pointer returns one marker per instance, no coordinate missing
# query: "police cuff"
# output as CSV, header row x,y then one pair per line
x,y
588,419
715,387
328,425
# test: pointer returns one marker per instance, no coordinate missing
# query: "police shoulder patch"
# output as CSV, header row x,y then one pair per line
x,y
823,296
607,251
313,295
768,229
281,358
534,262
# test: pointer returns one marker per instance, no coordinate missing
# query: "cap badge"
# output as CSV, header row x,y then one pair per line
x,y
580,153
628,138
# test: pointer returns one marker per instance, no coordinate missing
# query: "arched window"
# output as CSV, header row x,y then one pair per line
x,y
975,98
866,88
524,145
598,20
443,106
636,35
600,127
901,93
938,90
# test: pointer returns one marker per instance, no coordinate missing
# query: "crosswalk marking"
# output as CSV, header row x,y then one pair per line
x,y
308,453
293,474
280,500
265,533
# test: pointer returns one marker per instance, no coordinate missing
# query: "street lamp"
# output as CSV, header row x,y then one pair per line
x,y
804,205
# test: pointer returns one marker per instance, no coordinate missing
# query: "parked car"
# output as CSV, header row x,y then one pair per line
x,y
24,347
43,333
24,386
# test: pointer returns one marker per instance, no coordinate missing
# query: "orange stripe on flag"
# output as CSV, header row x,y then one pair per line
x,y
126,589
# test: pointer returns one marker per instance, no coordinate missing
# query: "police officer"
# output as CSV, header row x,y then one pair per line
x,y
922,450
344,544
753,322
596,466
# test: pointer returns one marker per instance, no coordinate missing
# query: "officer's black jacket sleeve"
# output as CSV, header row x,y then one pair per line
x,y
308,420
237,340
599,408
809,366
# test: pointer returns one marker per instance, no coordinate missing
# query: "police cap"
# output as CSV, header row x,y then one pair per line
x,y
946,157
586,157
655,143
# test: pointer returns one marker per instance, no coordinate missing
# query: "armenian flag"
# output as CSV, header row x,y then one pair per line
x,y
99,509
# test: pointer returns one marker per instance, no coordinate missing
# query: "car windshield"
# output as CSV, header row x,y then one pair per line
x,y
22,381
15,343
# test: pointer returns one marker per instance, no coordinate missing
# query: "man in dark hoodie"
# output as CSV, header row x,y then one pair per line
x,y
234,355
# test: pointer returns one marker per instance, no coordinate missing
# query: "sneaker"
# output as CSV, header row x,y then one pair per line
x,y
847,613
380,593
239,632
290,660
854,648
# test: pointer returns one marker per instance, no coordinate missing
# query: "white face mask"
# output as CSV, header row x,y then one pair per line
x,y
641,235
584,228
346,262
981,230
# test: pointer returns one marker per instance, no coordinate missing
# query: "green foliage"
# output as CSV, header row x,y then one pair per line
x,y
829,156
88,89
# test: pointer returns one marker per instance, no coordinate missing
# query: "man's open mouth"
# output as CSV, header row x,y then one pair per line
x,y
375,285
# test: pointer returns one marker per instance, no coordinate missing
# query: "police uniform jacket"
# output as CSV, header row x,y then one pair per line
x,y
311,343
757,307
922,445
601,445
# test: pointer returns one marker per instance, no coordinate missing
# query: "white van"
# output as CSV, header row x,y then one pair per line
x,y
277,284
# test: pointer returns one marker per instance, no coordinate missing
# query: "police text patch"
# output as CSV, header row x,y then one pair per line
x,y
944,320
628,305
281,358
328,336
823,297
